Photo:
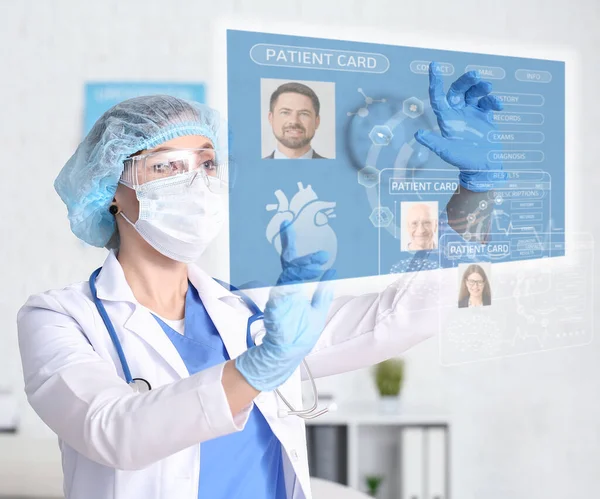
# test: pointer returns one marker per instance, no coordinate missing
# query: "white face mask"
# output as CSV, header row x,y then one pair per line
x,y
179,216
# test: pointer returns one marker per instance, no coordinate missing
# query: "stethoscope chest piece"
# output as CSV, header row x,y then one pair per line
x,y
140,385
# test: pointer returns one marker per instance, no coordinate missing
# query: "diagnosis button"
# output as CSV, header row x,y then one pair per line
x,y
533,76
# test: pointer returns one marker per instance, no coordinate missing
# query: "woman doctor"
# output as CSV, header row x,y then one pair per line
x,y
146,183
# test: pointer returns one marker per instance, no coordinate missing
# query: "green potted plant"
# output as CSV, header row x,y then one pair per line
x,y
373,482
389,377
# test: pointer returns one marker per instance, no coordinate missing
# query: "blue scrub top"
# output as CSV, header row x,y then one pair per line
x,y
246,464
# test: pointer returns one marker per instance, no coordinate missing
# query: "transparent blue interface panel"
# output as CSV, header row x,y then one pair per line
x,y
323,136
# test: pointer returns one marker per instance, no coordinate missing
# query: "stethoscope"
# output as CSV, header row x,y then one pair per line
x,y
142,385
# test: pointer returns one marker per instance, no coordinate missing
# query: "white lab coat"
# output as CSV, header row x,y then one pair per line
x,y
117,444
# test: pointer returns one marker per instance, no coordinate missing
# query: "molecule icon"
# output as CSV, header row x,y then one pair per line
x,y
363,112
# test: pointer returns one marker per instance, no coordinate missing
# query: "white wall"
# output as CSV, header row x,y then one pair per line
x,y
525,427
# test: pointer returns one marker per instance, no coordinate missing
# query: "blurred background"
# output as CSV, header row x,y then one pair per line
x,y
520,427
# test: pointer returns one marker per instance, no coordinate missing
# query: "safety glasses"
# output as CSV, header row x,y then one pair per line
x,y
168,163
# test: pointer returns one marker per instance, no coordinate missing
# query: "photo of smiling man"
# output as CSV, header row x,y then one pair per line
x,y
419,226
298,123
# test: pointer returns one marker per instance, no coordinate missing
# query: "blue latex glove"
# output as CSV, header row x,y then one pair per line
x,y
293,322
462,115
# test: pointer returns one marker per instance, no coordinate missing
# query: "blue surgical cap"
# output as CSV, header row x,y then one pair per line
x,y
88,181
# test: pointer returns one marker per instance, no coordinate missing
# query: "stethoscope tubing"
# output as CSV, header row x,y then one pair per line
x,y
143,385
111,330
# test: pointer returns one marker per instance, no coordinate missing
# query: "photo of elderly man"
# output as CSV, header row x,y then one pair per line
x,y
420,230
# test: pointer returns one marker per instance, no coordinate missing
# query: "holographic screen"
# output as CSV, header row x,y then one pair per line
x,y
363,188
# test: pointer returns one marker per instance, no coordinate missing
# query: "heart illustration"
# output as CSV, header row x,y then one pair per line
x,y
310,219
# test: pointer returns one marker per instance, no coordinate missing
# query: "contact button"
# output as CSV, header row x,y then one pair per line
x,y
533,76
422,67
491,72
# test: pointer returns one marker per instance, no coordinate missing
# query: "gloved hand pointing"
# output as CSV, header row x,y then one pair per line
x,y
464,118
293,321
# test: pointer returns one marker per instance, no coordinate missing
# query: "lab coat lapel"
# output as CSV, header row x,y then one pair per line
x,y
230,321
230,324
144,325
113,287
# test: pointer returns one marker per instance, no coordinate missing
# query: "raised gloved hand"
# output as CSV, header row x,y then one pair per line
x,y
464,118
293,321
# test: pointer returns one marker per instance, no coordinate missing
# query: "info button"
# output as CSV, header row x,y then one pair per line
x,y
533,76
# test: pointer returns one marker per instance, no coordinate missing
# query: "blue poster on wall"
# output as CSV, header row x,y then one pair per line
x,y
101,96
377,156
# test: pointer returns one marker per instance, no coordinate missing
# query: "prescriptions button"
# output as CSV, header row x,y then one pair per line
x,y
533,76
491,72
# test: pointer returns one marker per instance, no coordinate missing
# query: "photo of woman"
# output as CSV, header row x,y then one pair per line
x,y
475,288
